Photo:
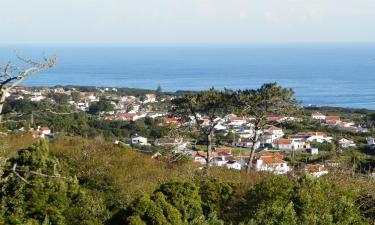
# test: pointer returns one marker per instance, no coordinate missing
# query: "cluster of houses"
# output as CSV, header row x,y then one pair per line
x,y
271,146
336,121
125,107
266,161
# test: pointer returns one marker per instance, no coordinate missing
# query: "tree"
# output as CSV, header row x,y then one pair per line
x,y
60,98
159,90
269,99
215,195
100,106
173,203
320,202
34,192
11,75
269,202
202,111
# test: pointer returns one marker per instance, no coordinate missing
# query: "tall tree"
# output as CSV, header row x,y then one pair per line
x,y
12,75
257,104
202,112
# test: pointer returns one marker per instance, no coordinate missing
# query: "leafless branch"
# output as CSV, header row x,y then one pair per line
x,y
18,173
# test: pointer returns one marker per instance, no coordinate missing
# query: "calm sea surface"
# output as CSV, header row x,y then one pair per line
x,y
338,75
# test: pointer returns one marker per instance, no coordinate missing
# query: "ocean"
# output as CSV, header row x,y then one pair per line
x,y
320,74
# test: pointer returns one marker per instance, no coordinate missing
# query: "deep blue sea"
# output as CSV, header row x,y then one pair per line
x,y
320,74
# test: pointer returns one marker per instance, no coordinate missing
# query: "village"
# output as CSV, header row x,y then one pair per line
x,y
275,149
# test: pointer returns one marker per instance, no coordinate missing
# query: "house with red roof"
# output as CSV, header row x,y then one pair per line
x,y
223,150
272,162
172,119
313,136
332,120
200,156
235,120
316,170
273,118
290,144
150,98
41,132
271,134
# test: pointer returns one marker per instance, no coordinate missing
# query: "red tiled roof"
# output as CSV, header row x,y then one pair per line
x,y
332,118
226,150
233,117
319,133
150,95
203,154
171,119
283,141
273,118
313,168
275,128
272,158
125,115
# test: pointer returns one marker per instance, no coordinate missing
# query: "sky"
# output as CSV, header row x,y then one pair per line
x,y
186,21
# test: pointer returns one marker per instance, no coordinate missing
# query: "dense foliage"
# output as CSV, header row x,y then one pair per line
x,y
83,182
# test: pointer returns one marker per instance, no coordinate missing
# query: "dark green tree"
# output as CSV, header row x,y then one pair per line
x,y
34,192
100,106
60,98
173,203
215,195
269,202
321,202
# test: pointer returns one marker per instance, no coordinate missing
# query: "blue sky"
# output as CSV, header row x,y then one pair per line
x,y
186,21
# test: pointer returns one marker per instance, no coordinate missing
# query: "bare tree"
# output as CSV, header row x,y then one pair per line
x,y
12,75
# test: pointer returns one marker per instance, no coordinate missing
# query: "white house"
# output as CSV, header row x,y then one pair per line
x,y
92,98
272,163
177,143
345,143
234,164
245,143
290,144
318,116
244,132
370,141
319,137
345,124
83,106
271,134
234,120
139,140
37,98
283,144
200,157
219,161
276,132
313,151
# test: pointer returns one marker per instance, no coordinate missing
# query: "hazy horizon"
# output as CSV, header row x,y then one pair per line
x,y
170,22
